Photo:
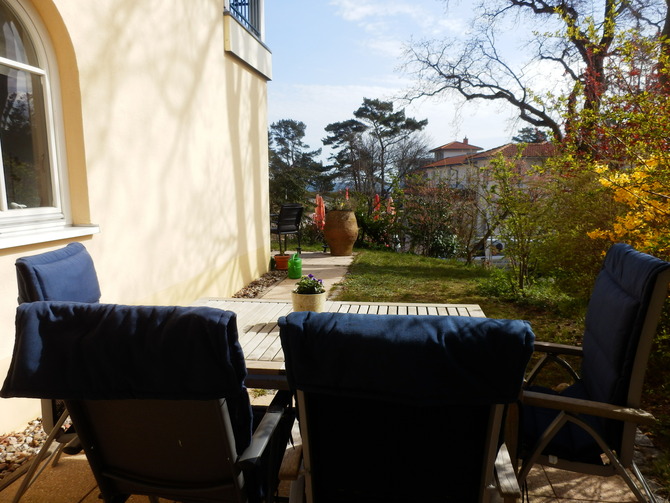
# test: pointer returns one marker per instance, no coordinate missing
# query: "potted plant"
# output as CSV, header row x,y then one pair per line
x,y
309,294
281,261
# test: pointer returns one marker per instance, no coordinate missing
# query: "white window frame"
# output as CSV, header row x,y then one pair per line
x,y
34,225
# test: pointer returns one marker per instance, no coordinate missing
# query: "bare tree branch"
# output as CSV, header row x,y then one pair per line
x,y
583,38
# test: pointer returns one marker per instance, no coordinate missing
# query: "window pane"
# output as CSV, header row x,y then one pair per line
x,y
23,139
15,44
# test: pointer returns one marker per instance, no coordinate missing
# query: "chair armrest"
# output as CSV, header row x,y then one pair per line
x,y
508,485
261,438
557,349
279,408
579,406
553,353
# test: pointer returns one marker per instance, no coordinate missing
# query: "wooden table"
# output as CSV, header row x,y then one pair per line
x,y
259,332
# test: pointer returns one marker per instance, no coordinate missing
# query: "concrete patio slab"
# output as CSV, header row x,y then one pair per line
x,y
329,268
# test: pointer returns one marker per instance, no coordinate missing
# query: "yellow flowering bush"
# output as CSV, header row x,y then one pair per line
x,y
644,193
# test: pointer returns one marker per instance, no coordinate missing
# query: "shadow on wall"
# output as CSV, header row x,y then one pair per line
x,y
176,160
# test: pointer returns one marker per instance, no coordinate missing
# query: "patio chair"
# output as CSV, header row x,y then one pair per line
x,y
157,395
403,408
286,222
66,274
590,426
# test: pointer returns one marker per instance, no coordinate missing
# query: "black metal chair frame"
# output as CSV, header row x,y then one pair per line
x,y
287,221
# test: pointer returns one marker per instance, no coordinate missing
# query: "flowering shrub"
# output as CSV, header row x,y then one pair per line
x,y
309,285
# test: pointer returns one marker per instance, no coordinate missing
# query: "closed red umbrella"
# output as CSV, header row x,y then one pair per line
x,y
320,213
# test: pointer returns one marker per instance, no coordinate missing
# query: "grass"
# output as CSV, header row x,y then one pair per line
x,y
292,244
378,276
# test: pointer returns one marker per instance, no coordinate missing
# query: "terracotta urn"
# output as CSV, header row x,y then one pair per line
x,y
309,301
341,232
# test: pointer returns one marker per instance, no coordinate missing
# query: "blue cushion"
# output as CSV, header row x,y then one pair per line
x,y
615,316
614,319
102,351
67,274
413,392
412,359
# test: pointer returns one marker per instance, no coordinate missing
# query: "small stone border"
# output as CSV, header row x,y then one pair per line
x,y
18,447
258,286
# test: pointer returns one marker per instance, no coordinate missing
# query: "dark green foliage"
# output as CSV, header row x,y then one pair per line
x,y
377,144
530,135
293,169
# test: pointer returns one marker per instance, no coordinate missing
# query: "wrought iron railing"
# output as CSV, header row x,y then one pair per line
x,y
248,13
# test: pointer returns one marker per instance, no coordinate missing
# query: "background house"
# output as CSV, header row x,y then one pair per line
x,y
458,169
451,161
142,128
458,163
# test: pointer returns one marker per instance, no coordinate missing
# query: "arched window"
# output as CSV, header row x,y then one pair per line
x,y
31,180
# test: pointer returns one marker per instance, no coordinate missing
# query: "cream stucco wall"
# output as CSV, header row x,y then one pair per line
x,y
167,149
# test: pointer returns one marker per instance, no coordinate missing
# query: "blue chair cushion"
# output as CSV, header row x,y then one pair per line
x,y
67,274
82,351
420,360
411,394
615,315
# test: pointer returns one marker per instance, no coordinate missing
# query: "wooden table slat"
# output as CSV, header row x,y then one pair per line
x,y
259,331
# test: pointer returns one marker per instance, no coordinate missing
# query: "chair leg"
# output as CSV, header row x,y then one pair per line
x,y
58,454
32,473
615,461
556,425
297,494
643,482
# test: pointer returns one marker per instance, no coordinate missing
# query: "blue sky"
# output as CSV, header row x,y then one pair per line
x,y
330,54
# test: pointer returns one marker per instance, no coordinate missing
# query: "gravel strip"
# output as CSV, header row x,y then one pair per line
x,y
18,447
256,287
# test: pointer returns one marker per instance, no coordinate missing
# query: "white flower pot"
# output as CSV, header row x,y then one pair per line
x,y
309,301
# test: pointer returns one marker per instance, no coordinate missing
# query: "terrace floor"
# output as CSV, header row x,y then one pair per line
x,y
71,481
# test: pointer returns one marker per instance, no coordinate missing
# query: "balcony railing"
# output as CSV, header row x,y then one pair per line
x,y
248,13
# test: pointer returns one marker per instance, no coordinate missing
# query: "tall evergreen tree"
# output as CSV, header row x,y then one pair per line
x,y
375,145
293,167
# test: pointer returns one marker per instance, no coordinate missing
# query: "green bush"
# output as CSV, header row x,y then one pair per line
x,y
376,230
541,293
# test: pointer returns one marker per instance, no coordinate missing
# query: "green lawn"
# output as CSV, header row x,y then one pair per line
x,y
377,276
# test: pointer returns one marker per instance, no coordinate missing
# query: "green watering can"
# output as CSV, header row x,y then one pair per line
x,y
295,267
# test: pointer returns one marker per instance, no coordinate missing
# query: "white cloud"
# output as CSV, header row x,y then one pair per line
x,y
374,32
388,47
387,26
320,105
359,10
